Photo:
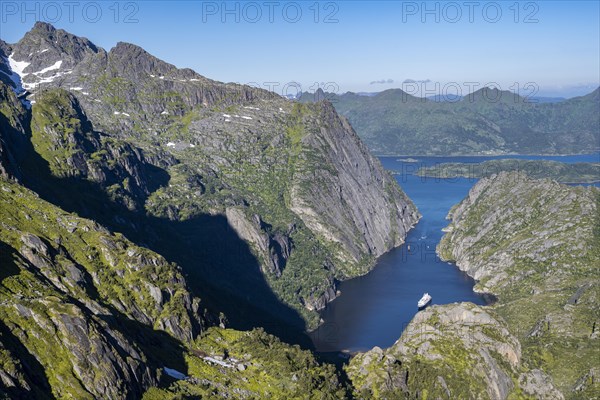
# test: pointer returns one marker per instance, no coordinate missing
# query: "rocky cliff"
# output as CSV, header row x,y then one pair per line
x,y
535,244
293,181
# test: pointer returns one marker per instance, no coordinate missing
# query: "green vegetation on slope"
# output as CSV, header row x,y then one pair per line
x,y
538,253
227,363
89,305
537,169
487,121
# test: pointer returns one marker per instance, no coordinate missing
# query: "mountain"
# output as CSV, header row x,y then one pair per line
x,y
146,209
534,244
169,144
488,121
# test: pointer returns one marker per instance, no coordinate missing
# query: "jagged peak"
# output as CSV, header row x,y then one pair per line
x,y
129,47
45,35
134,52
43,27
130,58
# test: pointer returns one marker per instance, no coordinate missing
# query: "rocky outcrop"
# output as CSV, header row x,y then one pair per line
x,y
538,384
448,352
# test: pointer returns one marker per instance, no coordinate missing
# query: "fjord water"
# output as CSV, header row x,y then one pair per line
x,y
374,309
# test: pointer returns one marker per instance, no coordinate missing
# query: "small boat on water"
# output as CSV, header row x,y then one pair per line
x,y
424,300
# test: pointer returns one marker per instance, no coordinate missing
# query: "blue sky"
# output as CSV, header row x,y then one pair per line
x,y
347,45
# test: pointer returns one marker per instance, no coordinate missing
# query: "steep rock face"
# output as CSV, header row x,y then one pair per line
x,y
505,221
11,115
275,250
535,244
361,198
447,352
311,201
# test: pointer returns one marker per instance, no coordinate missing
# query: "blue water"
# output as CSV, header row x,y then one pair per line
x,y
374,309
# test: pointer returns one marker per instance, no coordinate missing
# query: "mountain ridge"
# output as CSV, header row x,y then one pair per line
x,y
487,121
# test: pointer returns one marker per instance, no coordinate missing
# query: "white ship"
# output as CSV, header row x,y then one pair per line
x,y
424,300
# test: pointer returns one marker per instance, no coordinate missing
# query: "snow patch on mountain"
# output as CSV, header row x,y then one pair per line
x,y
54,66
18,66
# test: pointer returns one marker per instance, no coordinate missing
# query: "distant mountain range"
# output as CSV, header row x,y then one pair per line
x,y
534,99
488,121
